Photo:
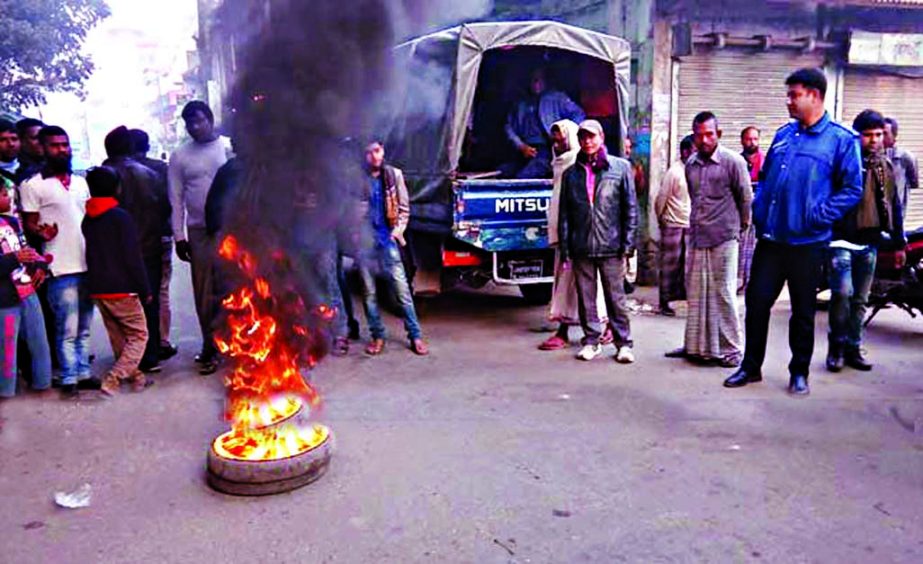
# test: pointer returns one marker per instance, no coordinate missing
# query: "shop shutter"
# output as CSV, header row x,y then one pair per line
x,y
741,87
897,97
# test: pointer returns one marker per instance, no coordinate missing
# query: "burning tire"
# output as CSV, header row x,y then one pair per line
x,y
265,477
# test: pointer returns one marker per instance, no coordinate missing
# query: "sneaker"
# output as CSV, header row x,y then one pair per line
x,y
589,352
625,355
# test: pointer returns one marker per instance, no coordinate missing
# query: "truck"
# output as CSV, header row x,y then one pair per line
x,y
468,225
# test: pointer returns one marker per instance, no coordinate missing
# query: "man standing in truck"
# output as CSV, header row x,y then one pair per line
x,y
528,127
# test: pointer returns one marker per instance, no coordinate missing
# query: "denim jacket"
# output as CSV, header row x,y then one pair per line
x,y
811,178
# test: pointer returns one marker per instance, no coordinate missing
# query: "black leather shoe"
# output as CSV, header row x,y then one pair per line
x,y
834,356
854,359
741,378
676,353
89,384
69,392
798,385
353,330
667,311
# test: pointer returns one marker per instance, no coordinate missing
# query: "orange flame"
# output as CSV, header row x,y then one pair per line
x,y
265,388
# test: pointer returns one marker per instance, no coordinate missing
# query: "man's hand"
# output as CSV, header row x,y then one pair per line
x,y
38,278
566,265
398,235
528,151
48,232
184,251
28,255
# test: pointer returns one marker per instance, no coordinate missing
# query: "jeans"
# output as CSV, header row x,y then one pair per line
x,y
73,312
612,275
851,275
345,296
388,261
25,320
774,264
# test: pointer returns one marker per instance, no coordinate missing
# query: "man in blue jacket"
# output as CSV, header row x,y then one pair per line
x,y
812,176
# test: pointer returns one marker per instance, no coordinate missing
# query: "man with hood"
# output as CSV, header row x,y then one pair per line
x,y
597,227
565,147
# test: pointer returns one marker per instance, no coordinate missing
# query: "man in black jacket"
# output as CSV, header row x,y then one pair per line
x,y
851,258
143,195
142,146
597,226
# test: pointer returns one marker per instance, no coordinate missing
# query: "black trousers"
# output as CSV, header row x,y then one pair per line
x,y
774,264
153,265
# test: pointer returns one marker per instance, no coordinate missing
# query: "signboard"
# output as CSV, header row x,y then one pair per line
x,y
887,49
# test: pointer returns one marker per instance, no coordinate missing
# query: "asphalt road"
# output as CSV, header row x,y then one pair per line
x,y
491,451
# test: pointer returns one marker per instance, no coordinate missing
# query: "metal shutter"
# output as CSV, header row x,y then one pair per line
x,y
896,97
741,87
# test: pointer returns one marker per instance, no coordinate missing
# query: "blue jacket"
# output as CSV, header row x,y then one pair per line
x,y
553,106
811,178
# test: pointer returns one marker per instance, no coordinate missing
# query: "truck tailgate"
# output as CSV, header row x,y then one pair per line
x,y
502,215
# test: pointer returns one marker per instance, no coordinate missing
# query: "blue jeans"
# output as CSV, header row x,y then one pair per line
x,y
388,261
73,310
851,275
24,320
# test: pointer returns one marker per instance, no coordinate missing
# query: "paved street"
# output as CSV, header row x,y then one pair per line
x,y
491,451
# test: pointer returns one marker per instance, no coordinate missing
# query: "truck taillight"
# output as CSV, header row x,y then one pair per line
x,y
460,258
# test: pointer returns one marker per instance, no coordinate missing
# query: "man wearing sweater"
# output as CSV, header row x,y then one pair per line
x,y
192,170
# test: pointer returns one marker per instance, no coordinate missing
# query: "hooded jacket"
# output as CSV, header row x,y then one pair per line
x,y
114,264
605,227
559,164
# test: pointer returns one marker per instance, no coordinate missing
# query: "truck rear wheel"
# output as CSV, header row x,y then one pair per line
x,y
536,294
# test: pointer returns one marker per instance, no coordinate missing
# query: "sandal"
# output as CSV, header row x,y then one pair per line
x,y
375,348
418,346
553,343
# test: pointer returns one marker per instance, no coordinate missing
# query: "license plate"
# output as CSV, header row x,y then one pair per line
x,y
525,269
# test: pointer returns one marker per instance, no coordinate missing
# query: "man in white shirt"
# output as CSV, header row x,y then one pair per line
x,y
53,206
192,169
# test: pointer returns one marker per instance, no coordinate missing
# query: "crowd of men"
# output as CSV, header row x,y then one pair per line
x,y
827,198
104,241
823,199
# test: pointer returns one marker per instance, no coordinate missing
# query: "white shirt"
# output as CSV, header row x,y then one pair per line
x,y
192,170
66,207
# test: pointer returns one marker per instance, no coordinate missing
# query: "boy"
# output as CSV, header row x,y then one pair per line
x,y
116,279
20,268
